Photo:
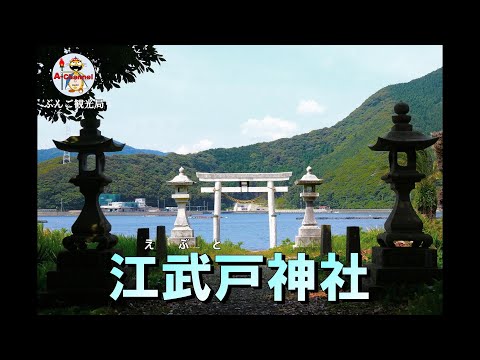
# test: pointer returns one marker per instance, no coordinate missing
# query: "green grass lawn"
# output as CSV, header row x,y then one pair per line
x,y
420,300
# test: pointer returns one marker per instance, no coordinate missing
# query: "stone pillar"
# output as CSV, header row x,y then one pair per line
x,y
272,217
353,243
142,235
181,219
161,245
309,217
309,233
182,229
325,239
217,210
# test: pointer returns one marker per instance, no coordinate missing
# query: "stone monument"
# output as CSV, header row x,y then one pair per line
x,y
392,264
309,233
182,233
83,273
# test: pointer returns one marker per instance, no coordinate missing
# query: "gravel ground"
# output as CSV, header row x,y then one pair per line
x,y
251,301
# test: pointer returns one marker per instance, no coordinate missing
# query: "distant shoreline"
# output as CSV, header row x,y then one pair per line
x,y
173,213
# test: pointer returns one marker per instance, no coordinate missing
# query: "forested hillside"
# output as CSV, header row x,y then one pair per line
x,y
339,155
47,154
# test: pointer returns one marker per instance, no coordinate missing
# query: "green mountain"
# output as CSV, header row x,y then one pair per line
x,y
339,155
47,154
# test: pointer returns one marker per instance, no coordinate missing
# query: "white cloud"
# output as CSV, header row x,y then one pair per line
x,y
268,128
310,107
203,144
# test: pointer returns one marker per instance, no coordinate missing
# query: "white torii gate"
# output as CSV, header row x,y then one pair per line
x,y
244,179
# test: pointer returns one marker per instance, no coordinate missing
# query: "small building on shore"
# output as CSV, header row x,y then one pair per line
x,y
105,199
141,202
248,207
125,206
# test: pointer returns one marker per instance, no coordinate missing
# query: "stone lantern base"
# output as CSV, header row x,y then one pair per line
x,y
83,277
308,235
179,234
400,265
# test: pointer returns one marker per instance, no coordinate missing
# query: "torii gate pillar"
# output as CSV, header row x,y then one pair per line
x,y
217,210
272,217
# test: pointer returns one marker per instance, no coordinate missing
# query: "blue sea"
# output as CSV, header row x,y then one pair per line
x,y
250,229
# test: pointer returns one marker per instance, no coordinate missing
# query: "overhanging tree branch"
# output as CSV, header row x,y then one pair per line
x,y
114,65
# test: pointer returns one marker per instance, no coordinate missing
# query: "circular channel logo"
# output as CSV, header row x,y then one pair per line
x,y
73,75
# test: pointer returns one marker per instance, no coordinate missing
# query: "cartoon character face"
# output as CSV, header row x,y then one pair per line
x,y
76,64
75,85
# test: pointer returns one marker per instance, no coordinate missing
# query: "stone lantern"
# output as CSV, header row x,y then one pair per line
x,y
391,264
182,233
83,272
91,225
403,222
309,232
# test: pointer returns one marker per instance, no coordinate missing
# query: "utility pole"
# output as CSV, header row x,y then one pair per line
x,y
158,202
61,205
66,154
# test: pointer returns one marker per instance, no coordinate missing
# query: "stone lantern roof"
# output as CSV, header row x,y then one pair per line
x,y
309,179
181,179
402,137
90,139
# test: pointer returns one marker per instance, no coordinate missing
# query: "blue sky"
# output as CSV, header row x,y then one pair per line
x,y
215,96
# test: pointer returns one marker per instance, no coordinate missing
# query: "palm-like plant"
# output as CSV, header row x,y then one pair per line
x,y
425,194
438,148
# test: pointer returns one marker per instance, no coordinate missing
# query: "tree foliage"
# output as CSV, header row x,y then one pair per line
x,y
425,194
114,65
438,148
